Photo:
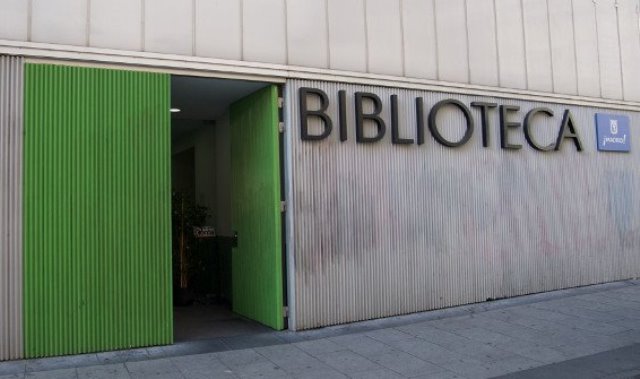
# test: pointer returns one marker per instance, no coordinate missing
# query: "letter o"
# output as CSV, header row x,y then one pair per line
x,y
433,126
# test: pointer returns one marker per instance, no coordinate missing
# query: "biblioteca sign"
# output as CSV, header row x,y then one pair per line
x,y
612,130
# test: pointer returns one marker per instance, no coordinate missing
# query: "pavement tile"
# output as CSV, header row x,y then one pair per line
x,y
432,353
261,370
454,323
601,328
376,374
628,324
116,370
246,342
443,338
361,344
13,376
511,364
348,362
56,363
469,369
388,336
534,351
485,353
320,374
238,358
291,359
157,368
405,364
482,335
320,346
443,374
202,366
122,356
13,367
53,374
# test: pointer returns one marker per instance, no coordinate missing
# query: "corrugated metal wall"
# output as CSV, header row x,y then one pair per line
x,y
97,249
382,229
11,83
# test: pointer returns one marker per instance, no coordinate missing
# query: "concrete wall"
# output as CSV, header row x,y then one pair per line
x,y
573,47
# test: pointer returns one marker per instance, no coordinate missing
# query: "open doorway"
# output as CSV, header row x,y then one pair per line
x,y
227,234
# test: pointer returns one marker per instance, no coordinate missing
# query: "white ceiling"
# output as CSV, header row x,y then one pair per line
x,y
207,98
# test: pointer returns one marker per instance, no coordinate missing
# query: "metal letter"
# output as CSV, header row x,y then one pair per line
x,y
375,117
320,113
484,118
504,124
395,133
527,124
567,123
433,127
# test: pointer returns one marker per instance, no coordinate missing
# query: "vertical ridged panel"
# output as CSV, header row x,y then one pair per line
x,y
383,229
97,249
11,84
257,259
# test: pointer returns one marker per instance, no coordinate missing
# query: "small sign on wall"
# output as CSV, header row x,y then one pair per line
x,y
613,132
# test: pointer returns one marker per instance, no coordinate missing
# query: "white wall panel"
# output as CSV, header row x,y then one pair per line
x,y
116,24
563,51
609,50
384,36
308,33
629,24
11,164
419,33
169,26
59,21
451,31
14,19
537,43
347,39
483,56
218,30
383,229
511,52
264,31
586,45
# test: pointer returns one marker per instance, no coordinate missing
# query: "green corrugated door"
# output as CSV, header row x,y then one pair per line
x,y
257,260
97,251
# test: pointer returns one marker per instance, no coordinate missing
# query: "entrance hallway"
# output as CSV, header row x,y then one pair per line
x,y
201,322
587,332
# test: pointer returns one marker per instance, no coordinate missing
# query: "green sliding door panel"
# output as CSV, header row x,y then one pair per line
x,y
255,160
97,210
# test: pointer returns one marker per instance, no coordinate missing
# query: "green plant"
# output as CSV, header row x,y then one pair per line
x,y
186,215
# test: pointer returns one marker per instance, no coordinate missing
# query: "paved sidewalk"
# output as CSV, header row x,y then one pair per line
x,y
588,332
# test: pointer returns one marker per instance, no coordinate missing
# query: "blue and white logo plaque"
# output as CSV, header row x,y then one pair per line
x,y
613,132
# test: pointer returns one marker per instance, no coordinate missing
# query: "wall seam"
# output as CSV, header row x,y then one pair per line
x,y
497,40
29,19
328,32
366,36
617,6
88,23
553,85
402,41
524,41
595,15
466,27
575,47
435,33
286,31
143,24
194,27
241,5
